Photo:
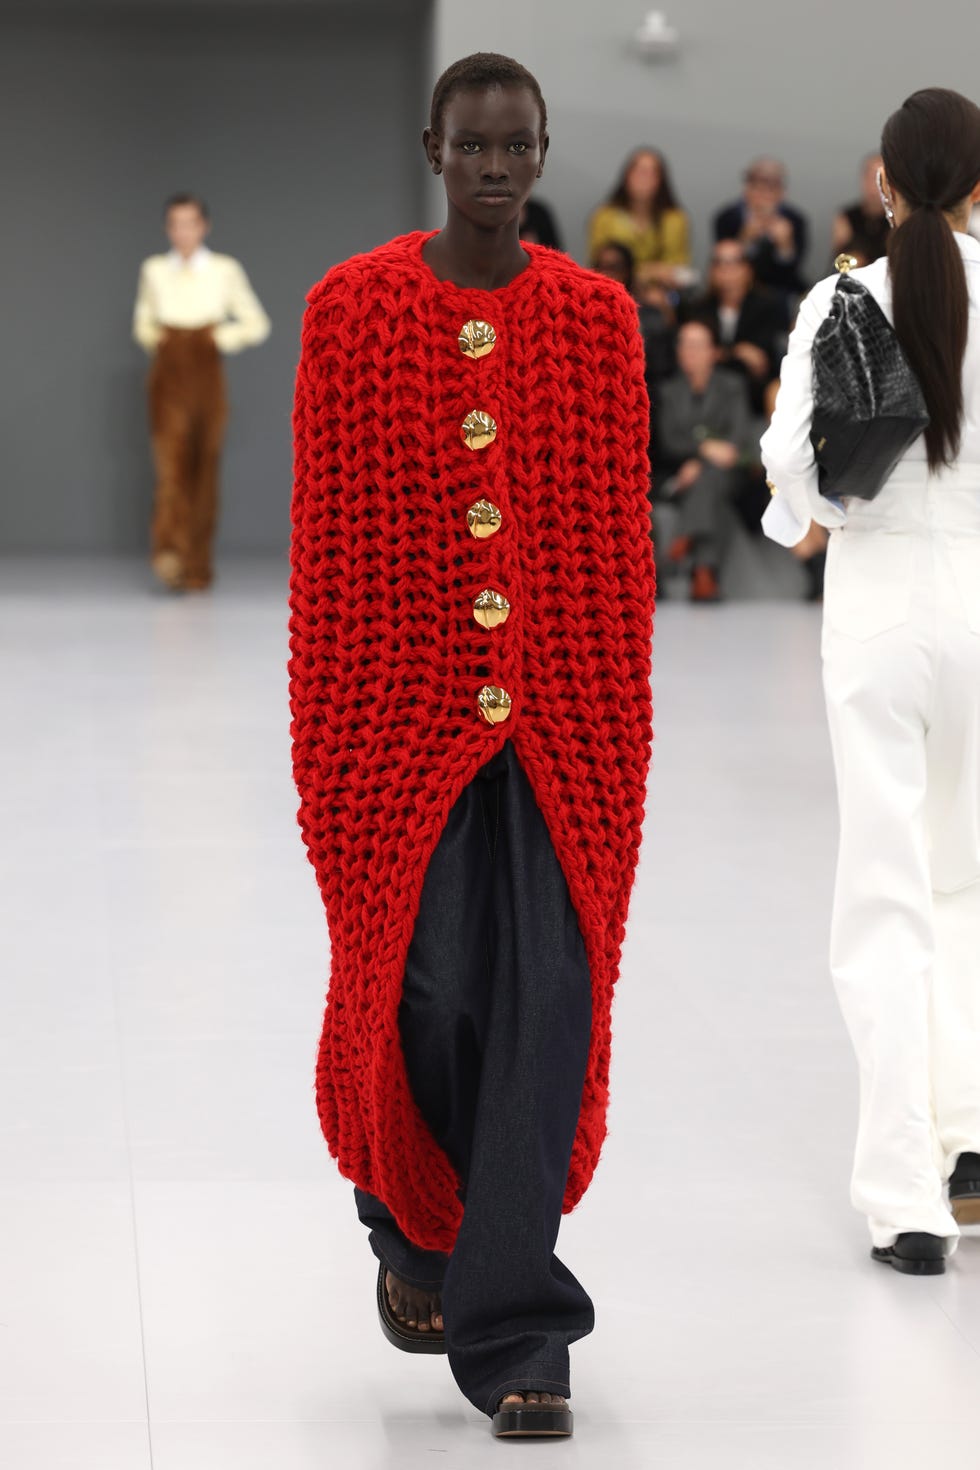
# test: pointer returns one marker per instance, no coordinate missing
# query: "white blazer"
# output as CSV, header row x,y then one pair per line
x,y
786,449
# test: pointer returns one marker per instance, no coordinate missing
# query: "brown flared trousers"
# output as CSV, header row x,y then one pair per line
x,y
188,414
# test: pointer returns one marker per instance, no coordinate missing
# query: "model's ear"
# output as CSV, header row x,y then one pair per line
x,y
545,144
432,143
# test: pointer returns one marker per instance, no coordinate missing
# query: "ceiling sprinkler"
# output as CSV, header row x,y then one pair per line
x,y
655,39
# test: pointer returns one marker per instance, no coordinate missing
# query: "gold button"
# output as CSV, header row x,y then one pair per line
x,y
845,263
494,704
771,488
483,519
478,430
476,339
491,608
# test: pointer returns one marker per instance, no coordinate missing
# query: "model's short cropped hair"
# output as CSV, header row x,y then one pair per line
x,y
476,73
195,200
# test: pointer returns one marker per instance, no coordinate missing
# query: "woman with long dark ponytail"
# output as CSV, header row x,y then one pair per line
x,y
901,661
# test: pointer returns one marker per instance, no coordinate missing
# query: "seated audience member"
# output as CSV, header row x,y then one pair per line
x,y
703,441
642,213
539,226
860,250
861,229
750,321
615,261
656,314
773,233
658,325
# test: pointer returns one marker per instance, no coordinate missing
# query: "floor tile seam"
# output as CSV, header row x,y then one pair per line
x,y
68,1421
180,844
973,1346
584,1415
293,1034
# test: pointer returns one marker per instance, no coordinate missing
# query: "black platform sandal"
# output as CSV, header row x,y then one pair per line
x,y
964,1190
914,1253
399,1334
532,1421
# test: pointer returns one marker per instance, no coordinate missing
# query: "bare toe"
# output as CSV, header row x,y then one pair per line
x,y
392,1290
417,1309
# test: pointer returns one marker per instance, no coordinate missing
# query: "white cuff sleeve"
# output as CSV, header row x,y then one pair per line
x,y
780,523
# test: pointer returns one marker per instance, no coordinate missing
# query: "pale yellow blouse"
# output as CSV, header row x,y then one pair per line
x,y
666,244
208,288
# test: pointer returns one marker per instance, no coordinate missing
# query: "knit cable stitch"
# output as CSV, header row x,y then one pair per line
x,y
386,658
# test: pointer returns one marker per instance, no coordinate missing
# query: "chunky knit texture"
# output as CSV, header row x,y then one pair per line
x,y
387,658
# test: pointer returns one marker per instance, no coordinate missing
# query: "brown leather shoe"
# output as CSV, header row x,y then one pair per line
x,y
680,548
169,569
964,1190
704,585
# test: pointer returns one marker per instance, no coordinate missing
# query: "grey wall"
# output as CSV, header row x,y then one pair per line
x,y
299,121
811,83
298,124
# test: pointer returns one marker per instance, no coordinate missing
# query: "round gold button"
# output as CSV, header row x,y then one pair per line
x,y
483,519
493,704
491,608
478,430
476,338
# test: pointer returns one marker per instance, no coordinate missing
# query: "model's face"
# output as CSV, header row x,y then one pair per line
x,y
696,351
186,228
489,153
643,178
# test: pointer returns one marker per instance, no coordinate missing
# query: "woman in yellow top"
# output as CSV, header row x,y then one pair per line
x,y
642,213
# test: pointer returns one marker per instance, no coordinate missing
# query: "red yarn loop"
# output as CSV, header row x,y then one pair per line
x,y
386,657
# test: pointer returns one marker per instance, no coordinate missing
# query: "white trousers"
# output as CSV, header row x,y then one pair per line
x,y
901,661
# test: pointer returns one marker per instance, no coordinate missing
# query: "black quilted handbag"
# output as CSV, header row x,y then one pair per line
x,y
867,404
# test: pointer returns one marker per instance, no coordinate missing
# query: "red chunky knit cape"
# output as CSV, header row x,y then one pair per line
x,y
387,658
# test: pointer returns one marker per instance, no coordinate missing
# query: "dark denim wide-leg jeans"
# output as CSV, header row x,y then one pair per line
x,y
495,1020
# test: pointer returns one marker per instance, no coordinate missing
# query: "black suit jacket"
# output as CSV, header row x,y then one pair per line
x,y
770,269
682,421
763,321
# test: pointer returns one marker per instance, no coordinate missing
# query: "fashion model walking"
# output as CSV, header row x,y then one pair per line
x,y
901,661
471,612
192,305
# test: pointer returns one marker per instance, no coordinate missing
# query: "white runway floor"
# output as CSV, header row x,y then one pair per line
x,y
183,1282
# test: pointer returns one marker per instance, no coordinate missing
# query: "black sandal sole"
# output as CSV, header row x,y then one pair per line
x,y
531,1421
406,1339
